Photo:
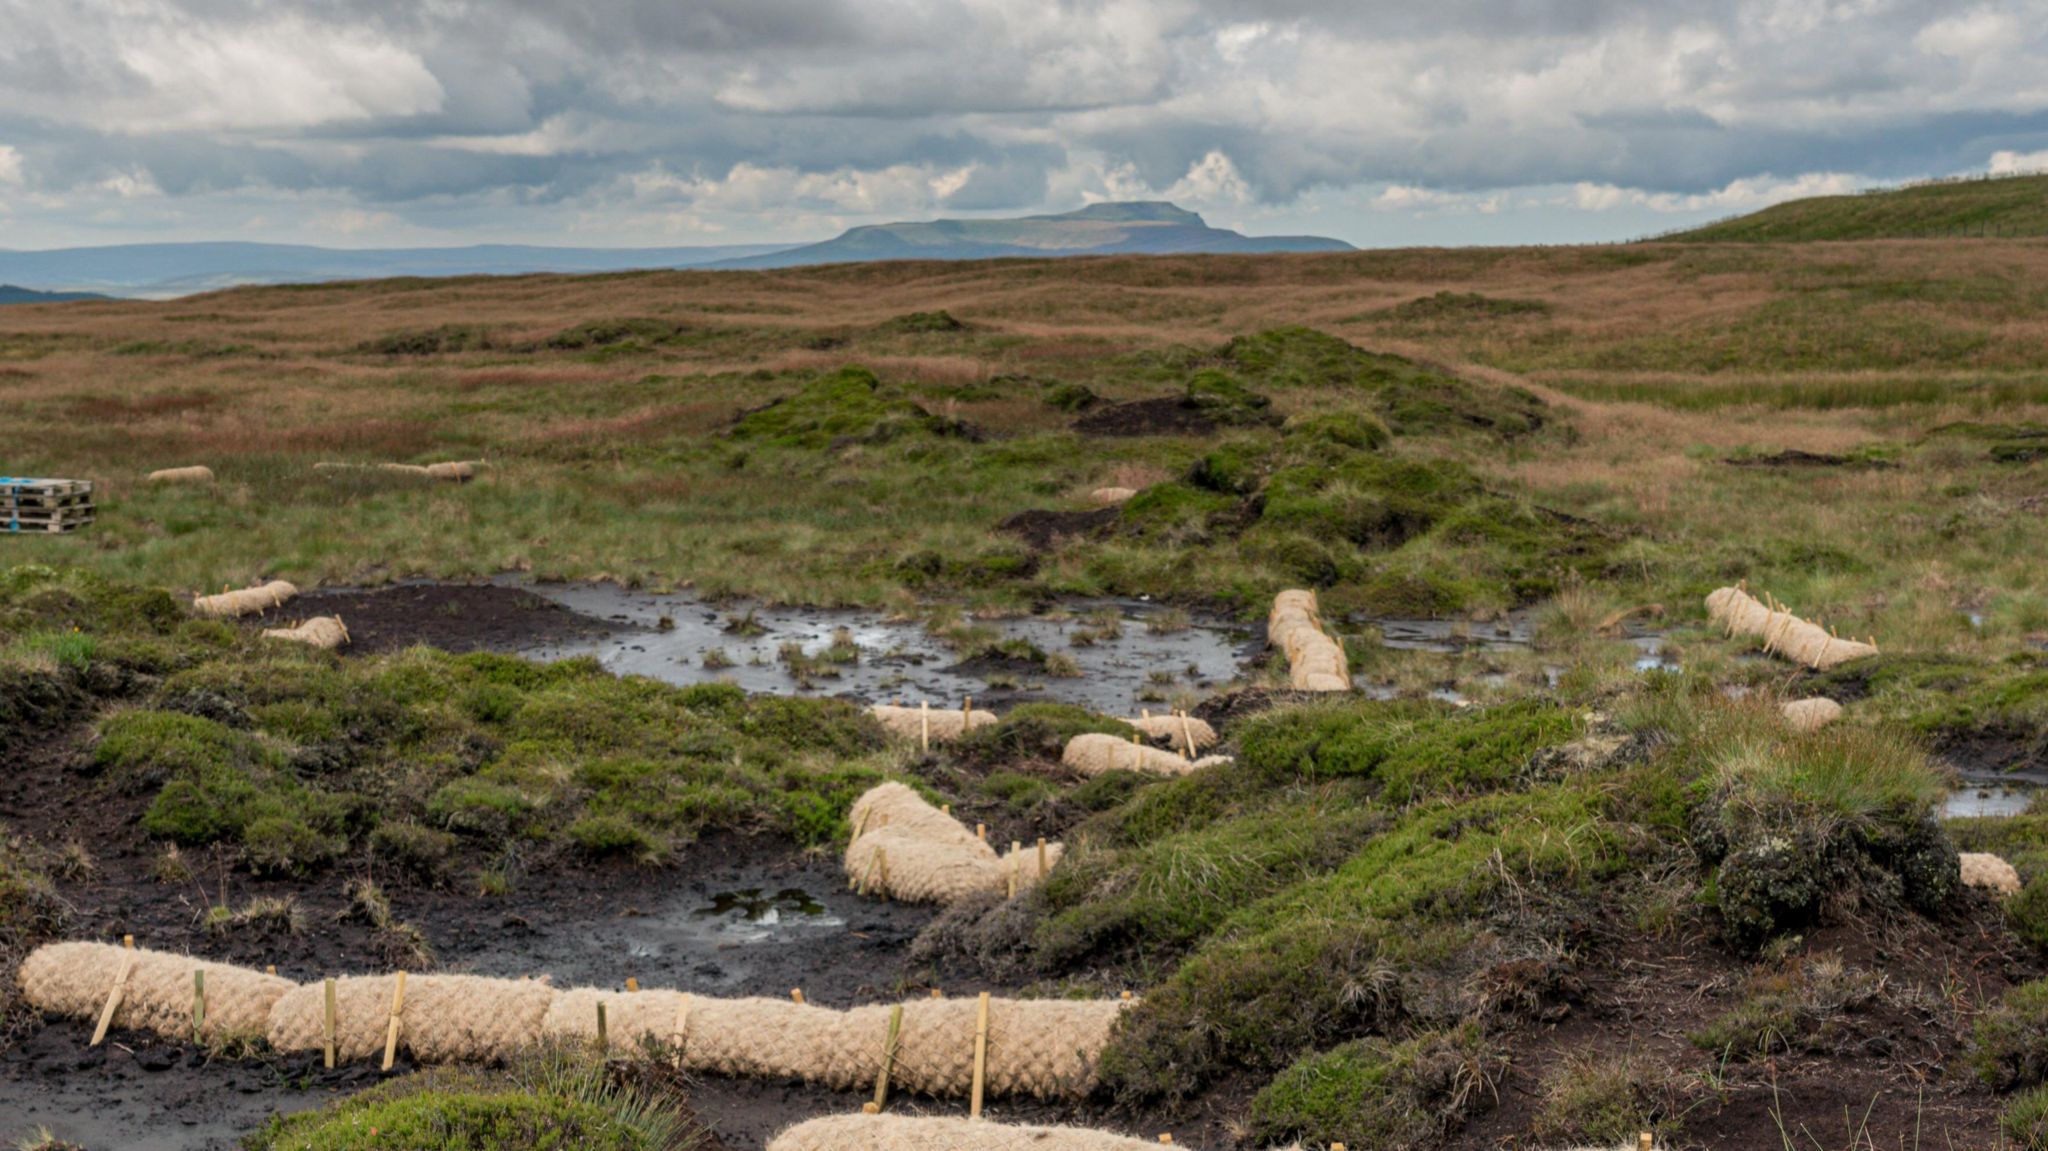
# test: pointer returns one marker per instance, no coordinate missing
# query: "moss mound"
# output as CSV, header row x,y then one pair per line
x,y
850,406
1410,397
1405,1096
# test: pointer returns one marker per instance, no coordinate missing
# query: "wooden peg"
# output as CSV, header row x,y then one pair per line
x,y
888,1060
1166,1137
1645,1141
1187,732
796,996
128,941
632,984
945,809
327,1036
981,832
924,725
603,1035
391,1032
270,969
114,995
1010,880
680,1034
198,1003
966,714
1126,997
980,1057
1041,857
1336,1147
882,857
937,994
869,1108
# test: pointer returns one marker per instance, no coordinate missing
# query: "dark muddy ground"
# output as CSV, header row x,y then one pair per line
x,y
1171,416
452,617
732,916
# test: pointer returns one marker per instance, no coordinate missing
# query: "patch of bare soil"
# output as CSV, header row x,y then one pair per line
x,y
1795,458
1044,529
452,617
1171,416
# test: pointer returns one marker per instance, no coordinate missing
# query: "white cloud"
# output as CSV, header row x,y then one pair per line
x,y
1745,194
10,165
2015,163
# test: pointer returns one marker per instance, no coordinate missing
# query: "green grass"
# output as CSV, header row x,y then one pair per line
x,y
413,752
1403,1096
1998,206
555,1101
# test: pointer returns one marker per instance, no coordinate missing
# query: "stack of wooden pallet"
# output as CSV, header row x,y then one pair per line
x,y
29,505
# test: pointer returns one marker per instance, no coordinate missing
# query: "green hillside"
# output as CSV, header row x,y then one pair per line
x,y
2005,206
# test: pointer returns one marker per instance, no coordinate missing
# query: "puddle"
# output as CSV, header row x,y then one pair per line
x,y
897,658
1980,800
1515,632
755,907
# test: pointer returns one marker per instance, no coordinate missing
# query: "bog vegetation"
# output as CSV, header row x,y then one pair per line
x,y
1549,893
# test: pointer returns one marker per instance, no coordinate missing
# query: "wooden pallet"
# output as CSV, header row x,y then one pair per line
x,y
44,505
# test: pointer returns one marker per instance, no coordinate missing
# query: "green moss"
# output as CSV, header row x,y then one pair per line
x,y
1225,400
1410,751
1387,936
1371,501
1145,903
1070,397
1406,1096
30,910
1173,511
1034,731
850,404
1340,431
1235,468
1411,398
284,845
605,835
552,1103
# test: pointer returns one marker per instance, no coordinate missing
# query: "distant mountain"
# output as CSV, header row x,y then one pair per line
x,y
1147,227
9,294
161,270
1989,206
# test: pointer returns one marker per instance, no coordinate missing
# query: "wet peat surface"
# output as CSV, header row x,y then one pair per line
x,y
452,617
731,916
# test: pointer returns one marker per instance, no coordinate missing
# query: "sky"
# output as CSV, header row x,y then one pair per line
x,y
359,123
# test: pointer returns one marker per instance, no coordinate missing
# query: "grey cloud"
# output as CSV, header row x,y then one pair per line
x,y
564,102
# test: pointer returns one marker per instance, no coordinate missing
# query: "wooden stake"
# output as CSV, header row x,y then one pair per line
x,y
603,1036
1646,1141
869,1108
981,832
937,994
1187,732
632,984
119,989
391,1033
198,1003
796,996
1010,881
1041,857
867,877
888,1061
946,809
328,1035
966,714
679,1037
980,1057
924,725
270,969
1166,1137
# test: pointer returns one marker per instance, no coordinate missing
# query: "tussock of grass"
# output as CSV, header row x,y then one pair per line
x,y
555,1099
1403,1096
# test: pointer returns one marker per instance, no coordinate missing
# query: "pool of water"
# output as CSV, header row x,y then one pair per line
x,y
1150,654
1987,799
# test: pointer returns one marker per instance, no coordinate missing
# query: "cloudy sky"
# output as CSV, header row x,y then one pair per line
x,y
680,122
